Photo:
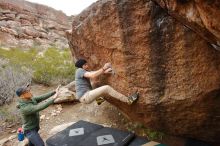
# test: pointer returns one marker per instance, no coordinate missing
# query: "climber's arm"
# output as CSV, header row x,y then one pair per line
x,y
94,74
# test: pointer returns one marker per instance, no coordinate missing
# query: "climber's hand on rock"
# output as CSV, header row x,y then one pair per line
x,y
108,71
107,65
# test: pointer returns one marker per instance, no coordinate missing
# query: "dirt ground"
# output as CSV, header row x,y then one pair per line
x,y
105,114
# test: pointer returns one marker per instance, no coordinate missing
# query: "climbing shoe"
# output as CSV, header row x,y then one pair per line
x,y
133,97
100,100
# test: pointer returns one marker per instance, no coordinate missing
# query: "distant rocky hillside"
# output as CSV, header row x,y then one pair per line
x,y
26,25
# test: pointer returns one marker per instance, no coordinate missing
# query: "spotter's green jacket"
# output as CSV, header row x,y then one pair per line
x,y
29,109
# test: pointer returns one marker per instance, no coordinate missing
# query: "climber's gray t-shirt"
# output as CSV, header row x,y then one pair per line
x,y
82,84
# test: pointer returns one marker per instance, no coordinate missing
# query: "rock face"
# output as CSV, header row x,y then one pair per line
x,y
25,25
168,57
201,16
67,93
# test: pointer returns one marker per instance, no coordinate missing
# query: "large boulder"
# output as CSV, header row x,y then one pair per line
x,y
201,16
175,68
67,93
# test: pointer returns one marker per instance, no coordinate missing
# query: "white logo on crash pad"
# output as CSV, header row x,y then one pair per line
x,y
76,132
105,139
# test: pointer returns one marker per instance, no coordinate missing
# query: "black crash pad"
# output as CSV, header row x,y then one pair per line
x,y
85,133
67,137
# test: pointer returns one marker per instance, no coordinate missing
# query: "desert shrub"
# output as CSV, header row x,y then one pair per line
x,y
9,114
10,79
53,67
17,57
140,129
49,67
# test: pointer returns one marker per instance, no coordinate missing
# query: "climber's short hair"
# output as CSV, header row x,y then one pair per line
x,y
79,63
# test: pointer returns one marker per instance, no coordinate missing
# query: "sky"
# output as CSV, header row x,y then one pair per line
x,y
70,7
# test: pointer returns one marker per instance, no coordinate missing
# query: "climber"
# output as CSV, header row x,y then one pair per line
x,y
84,91
29,108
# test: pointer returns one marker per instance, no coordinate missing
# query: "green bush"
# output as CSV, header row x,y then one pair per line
x,y
9,114
141,130
52,66
11,78
154,135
